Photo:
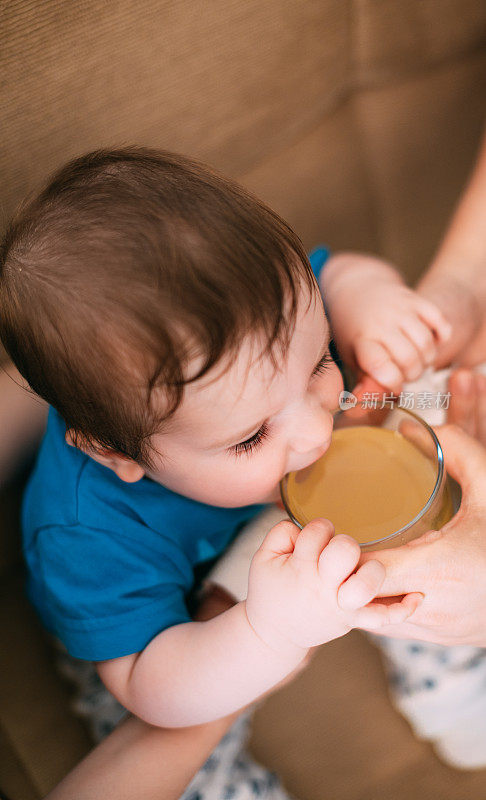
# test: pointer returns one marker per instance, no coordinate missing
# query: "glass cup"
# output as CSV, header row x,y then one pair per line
x,y
383,482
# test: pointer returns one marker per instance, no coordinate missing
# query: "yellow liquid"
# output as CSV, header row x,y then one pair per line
x,y
370,483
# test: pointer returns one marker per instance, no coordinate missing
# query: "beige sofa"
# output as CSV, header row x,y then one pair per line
x,y
358,122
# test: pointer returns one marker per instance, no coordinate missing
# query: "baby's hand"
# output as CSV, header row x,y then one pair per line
x,y
380,325
304,590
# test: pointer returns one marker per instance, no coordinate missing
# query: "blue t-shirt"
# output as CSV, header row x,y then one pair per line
x,y
111,564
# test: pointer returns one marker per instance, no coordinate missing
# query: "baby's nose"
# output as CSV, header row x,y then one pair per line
x,y
311,430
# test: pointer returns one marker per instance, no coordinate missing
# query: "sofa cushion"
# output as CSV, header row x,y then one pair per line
x,y
35,718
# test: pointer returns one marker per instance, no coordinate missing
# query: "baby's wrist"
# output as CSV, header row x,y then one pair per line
x,y
349,270
273,640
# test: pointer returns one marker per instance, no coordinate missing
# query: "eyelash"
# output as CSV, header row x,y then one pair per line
x,y
323,364
252,444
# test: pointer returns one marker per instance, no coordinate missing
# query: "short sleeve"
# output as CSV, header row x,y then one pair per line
x,y
318,258
104,594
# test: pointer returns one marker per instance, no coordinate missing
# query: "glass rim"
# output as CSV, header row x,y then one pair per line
x,y
423,510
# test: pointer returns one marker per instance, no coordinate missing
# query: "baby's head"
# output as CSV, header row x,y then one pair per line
x,y
173,321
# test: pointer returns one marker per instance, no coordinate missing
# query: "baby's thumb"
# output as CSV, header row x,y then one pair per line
x,y
362,587
387,611
280,539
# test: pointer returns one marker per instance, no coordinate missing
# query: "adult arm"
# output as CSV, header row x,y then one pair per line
x,y
456,279
138,760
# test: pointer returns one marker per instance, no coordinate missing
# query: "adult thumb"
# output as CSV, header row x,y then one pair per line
x,y
465,458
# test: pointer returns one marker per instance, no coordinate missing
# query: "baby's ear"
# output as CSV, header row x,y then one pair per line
x,y
126,469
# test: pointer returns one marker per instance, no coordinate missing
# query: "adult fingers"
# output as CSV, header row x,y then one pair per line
x,y
375,359
467,407
465,460
363,413
412,429
462,409
358,590
312,540
406,567
405,630
412,630
338,560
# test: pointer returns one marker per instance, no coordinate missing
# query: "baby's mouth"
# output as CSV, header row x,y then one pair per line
x,y
306,465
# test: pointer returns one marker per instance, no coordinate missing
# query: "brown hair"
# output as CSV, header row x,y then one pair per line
x,y
125,260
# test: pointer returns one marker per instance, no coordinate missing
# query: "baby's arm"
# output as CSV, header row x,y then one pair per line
x,y
199,671
381,327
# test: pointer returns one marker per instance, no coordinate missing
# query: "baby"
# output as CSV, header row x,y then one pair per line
x,y
175,326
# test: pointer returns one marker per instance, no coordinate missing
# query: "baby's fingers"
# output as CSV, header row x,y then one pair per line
x,y
404,353
338,561
374,359
361,587
380,614
434,319
312,540
421,336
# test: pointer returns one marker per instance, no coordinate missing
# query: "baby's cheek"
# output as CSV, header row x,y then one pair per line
x,y
257,480
267,475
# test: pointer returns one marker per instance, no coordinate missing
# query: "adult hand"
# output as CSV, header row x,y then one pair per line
x,y
462,308
456,279
468,402
448,566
